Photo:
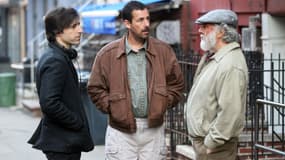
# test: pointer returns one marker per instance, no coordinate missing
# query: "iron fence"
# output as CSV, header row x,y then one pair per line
x,y
175,123
269,127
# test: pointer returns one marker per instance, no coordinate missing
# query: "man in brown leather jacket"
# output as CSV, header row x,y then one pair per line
x,y
134,80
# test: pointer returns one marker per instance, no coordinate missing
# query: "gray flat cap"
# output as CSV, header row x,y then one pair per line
x,y
219,16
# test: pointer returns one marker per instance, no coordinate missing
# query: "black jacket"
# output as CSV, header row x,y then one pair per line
x,y
64,126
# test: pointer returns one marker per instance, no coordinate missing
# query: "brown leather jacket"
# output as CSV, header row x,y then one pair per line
x,y
108,85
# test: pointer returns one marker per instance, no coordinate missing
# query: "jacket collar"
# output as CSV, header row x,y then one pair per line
x,y
150,49
59,50
224,50
129,48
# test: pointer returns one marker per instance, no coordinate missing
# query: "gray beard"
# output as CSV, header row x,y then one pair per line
x,y
208,42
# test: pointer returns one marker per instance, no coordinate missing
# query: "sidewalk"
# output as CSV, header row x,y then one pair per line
x,y
16,126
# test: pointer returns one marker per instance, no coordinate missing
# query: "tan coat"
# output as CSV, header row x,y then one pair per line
x,y
215,108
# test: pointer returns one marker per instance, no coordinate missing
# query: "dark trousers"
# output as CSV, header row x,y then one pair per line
x,y
62,156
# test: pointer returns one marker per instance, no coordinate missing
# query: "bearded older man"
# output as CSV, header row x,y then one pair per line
x,y
215,109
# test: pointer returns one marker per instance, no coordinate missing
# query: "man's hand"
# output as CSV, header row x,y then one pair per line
x,y
208,151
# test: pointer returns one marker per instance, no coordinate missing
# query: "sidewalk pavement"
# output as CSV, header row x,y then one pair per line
x,y
16,126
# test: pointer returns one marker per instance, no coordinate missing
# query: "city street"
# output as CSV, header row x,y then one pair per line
x,y
16,126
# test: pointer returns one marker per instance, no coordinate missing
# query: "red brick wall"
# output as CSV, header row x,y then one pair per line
x,y
185,27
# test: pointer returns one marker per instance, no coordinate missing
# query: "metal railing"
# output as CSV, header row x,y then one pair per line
x,y
175,118
269,119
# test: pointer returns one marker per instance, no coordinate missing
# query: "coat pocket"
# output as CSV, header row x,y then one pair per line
x,y
159,100
116,96
118,106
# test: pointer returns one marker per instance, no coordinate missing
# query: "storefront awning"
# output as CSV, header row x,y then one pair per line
x,y
101,19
